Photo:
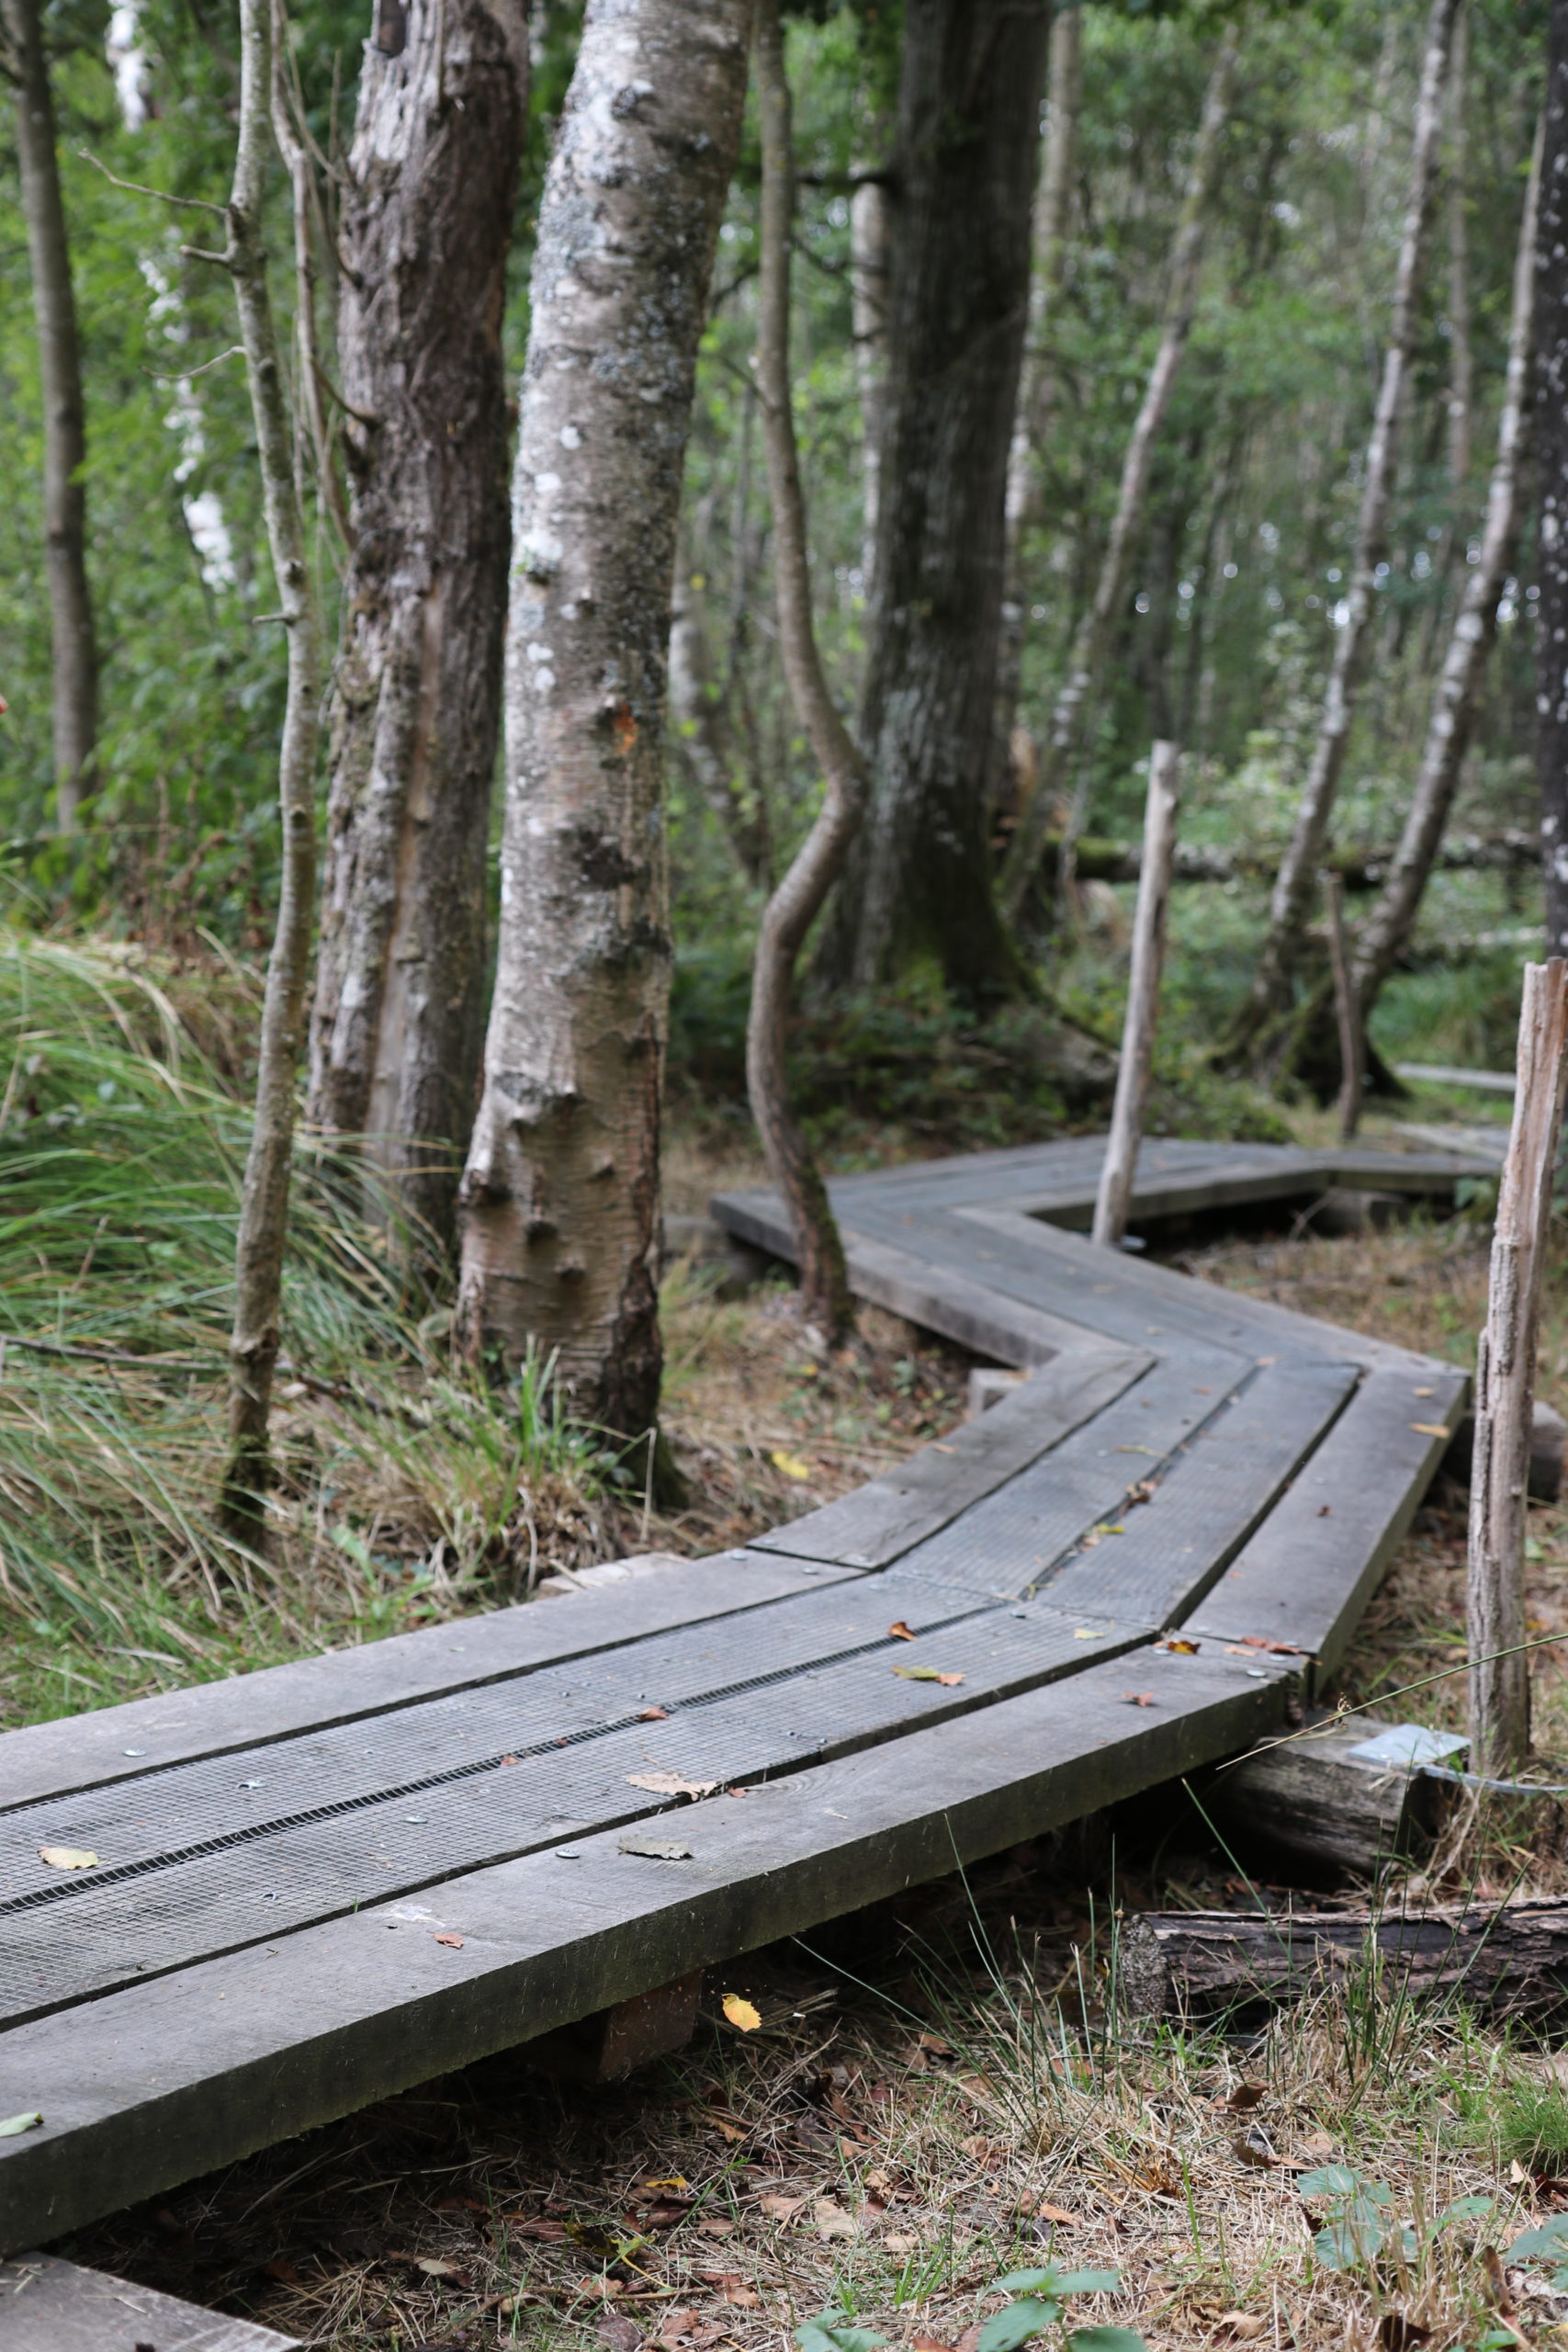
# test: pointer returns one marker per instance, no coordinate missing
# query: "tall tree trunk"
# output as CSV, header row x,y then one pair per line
x,y
1092,639
1303,853
1462,373
918,883
1456,704
1551,443
871,243
1025,508
791,909
427,200
559,1201
704,740
73,641
264,1206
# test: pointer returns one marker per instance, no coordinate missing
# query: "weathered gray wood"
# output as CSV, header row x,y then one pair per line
x,y
47,2305
218,1718
878,1521
1119,1168
1510,1957
1505,1381
1313,1795
1309,1571
1209,1497
153,2085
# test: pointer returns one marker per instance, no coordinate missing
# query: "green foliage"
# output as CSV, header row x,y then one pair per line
x,y
1040,2300
1361,2227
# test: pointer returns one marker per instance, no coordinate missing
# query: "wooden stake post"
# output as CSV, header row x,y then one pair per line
x,y
1143,998
1505,1381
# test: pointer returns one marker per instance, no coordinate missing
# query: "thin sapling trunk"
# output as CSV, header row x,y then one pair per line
x,y
263,1204
789,913
1120,1163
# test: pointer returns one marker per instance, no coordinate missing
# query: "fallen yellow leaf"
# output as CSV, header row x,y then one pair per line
x,y
675,2184
742,2013
926,1674
791,1465
68,1858
671,1784
1430,1429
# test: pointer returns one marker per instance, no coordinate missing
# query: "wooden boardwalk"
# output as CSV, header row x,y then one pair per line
x,y
322,1883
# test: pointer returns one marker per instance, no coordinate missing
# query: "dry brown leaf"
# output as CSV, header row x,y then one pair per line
x,y
671,1784
899,1631
455,1941
1254,2149
676,2323
1139,1698
68,1858
831,2220
537,2227
921,2342
733,2288
620,2335
1046,2211
900,2244
654,1715
742,2013
1245,2096
928,1674
780,2209
1238,2328
1182,1648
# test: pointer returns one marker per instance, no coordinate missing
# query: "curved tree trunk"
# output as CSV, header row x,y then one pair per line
x,y
1092,644
427,200
1456,705
264,1206
1352,645
73,641
918,883
1551,443
790,912
559,1200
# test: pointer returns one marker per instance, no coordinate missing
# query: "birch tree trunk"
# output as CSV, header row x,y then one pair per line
x,y
559,1199
1505,1381
1552,446
1456,703
790,912
74,639
429,187
1462,370
1303,853
1092,643
1037,391
871,245
264,1206
918,883
1120,1169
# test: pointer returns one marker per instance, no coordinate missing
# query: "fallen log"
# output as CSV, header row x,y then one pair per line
x,y
1511,1956
1318,1799
1100,860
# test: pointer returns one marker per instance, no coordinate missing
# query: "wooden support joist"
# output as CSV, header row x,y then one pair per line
x,y
47,2305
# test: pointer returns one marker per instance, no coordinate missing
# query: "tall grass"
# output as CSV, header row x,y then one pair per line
x,y
406,1491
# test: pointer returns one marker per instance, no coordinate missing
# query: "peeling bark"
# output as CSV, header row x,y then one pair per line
x,y
1456,704
430,185
918,883
1352,645
264,1204
559,1199
1551,445
1093,640
794,906
74,638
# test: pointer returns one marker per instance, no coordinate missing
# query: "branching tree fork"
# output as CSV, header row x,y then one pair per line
x,y
789,913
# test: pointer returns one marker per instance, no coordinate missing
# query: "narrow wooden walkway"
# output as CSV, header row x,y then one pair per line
x,y
319,1884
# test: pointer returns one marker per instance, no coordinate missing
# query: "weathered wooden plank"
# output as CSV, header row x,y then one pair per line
x,y
1308,1573
1213,1494
87,1933
872,1526
1012,1542
153,2085
218,1718
48,2305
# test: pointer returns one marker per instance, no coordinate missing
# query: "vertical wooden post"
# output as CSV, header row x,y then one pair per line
x,y
1505,1381
1352,1045
1143,998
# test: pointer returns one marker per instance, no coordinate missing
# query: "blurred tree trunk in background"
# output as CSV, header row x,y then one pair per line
x,y
560,1195
75,642
426,223
918,883
1551,447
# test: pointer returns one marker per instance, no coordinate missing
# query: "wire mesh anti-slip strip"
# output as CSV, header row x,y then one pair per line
x,y
249,1833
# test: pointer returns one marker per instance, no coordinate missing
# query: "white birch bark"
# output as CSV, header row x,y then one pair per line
x,y
871,264
559,1199
1092,642
1303,853
1456,701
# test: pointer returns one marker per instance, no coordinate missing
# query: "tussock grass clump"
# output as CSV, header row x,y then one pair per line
x,y
406,1491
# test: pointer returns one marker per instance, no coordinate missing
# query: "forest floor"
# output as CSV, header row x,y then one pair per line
x,y
944,2095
